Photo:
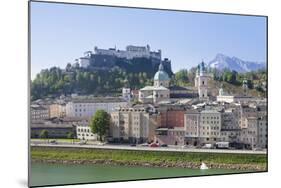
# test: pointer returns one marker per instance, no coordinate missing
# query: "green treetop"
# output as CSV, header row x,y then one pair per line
x,y
100,123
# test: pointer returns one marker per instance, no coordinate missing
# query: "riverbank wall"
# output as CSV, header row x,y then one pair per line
x,y
148,158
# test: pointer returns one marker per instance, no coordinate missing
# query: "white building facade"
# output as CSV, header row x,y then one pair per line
x,y
84,132
87,107
126,94
130,52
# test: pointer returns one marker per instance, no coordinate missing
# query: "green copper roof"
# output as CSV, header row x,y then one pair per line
x,y
161,74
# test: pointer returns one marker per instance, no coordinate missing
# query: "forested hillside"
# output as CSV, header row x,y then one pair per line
x,y
73,79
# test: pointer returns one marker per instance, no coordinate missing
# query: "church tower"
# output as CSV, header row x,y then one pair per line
x,y
245,87
201,81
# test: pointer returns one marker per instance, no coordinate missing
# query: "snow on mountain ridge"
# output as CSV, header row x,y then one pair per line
x,y
222,61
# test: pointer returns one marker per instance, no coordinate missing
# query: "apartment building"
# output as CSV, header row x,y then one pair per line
x,y
129,125
39,112
57,110
202,127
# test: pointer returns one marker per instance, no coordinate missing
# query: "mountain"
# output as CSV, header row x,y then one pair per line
x,y
222,61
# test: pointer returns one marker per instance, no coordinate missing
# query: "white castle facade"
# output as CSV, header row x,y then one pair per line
x,y
129,53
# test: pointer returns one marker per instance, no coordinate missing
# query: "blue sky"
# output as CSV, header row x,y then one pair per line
x,y
60,33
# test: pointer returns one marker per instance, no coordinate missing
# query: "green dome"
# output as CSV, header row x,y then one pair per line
x,y
161,74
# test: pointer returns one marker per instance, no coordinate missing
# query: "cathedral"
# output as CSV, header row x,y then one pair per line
x,y
162,91
159,91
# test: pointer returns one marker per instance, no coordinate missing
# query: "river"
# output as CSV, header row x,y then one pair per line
x,y
54,174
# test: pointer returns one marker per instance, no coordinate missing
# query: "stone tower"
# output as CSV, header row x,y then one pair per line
x,y
245,87
201,81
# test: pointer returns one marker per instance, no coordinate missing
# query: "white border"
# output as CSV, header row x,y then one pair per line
x,y
13,77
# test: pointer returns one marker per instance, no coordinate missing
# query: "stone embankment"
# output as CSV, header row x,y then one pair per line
x,y
190,165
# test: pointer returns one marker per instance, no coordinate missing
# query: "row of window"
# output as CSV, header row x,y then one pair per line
x,y
212,133
80,110
211,122
212,117
176,133
85,135
193,122
191,133
212,128
39,112
83,130
231,134
90,105
161,96
249,139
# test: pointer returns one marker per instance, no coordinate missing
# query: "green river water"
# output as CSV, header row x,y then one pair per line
x,y
54,174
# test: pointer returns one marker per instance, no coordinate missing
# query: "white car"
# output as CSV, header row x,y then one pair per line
x,y
82,142
101,144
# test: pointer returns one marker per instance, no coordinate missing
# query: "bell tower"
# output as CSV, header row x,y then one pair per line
x,y
245,87
202,82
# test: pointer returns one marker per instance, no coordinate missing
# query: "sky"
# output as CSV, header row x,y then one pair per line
x,y
61,33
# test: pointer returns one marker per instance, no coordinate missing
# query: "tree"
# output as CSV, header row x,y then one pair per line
x,y
44,134
100,123
70,135
181,77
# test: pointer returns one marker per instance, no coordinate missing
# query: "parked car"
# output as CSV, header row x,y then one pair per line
x,y
154,145
164,145
133,145
257,149
208,146
82,142
53,142
101,144
222,145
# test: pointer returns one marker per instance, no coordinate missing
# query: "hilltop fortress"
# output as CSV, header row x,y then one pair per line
x,y
108,58
130,52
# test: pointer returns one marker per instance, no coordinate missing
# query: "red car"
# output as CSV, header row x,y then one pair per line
x,y
154,145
